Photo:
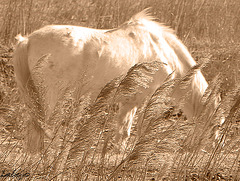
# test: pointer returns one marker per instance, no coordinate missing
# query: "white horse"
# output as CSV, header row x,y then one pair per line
x,y
93,57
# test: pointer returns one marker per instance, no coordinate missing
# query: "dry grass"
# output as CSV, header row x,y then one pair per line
x,y
82,135
214,21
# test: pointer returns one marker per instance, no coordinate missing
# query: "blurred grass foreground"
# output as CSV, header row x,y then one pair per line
x,y
172,148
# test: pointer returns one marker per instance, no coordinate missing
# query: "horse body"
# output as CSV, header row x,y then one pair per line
x,y
90,58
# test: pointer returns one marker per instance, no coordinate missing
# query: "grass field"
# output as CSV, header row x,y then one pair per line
x,y
210,30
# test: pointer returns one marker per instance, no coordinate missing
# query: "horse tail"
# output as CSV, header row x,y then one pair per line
x,y
26,87
20,61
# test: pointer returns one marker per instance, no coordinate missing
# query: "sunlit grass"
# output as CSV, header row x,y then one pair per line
x,y
81,142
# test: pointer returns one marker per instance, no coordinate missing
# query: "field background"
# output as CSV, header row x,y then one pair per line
x,y
210,30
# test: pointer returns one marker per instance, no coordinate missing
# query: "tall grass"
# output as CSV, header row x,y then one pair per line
x,y
208,21
81,139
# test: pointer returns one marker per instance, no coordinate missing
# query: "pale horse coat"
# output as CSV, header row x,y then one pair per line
x,y
93,57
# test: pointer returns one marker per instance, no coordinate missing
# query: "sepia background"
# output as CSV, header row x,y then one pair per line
x,y
210,30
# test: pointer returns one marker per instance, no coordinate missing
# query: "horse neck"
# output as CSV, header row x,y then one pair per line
x,y
190,97
192,104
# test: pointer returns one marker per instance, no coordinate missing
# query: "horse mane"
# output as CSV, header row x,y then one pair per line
x,y
143,34
142,38
162,41
141,16
146,19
